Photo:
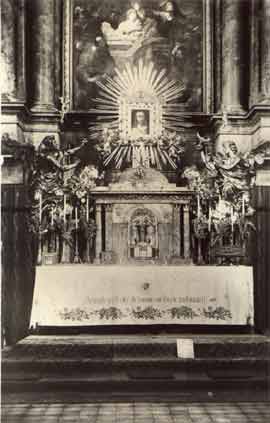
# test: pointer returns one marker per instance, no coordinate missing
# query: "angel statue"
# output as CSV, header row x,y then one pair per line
x,y
53,162
234,168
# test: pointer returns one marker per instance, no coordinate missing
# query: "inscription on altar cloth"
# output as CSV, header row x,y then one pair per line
x,y
133,300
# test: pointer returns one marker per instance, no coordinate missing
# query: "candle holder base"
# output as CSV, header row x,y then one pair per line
x,y
77,259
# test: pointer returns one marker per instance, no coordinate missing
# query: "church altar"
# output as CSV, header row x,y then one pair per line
x,y
137,182
142,295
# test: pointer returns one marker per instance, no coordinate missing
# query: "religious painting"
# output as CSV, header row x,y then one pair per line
x,y
140,123
109,34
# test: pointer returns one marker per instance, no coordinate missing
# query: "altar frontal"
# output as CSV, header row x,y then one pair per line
x,y
143,295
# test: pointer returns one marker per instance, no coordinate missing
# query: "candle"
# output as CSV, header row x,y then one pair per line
x,y
65,207
243,205
87,208
209,219
219,202
52,217
40,207
76,218
232,217
198,206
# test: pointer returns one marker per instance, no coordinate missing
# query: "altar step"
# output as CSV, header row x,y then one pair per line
x,y
225,367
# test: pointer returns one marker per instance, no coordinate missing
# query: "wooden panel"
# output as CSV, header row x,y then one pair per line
x,y
18,263
262,259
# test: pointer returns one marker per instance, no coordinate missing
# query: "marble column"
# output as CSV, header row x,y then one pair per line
x,y
108,228
8,50
99,233
234,40
265,50
176,231
186,219
43,55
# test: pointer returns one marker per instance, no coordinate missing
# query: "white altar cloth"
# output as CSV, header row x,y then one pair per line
x,y
74,295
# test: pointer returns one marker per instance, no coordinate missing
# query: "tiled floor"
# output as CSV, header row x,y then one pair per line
x,y
137,413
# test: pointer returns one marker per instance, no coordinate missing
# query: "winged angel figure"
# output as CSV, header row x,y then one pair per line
x,y
237,170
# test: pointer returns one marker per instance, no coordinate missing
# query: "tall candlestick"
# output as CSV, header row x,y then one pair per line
x,y
243,205
65,207
219,201
76,218
209,219
198,206
40,207
87,208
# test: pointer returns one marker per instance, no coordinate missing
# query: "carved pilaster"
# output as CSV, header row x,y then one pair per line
x,y
176,231
186,219
108,227
99,233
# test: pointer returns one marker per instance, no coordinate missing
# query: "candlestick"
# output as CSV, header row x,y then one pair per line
x,y
76,257
243,205
198,206
87,208
219,201
65,207
40,207
76,218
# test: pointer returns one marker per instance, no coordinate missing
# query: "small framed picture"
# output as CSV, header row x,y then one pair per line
x,y
140,123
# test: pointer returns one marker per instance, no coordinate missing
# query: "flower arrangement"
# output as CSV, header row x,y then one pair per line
x,y
81,185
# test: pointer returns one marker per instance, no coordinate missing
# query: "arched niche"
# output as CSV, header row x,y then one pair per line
x,y
143,234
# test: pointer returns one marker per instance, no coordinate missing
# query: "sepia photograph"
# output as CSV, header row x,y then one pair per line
x,y
135,211
140,123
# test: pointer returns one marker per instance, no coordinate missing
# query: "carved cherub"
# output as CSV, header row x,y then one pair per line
x,y
49,150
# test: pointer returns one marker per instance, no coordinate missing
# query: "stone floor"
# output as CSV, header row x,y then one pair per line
x,y
136,412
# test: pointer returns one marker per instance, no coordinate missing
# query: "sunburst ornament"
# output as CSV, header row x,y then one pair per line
x,y
141,88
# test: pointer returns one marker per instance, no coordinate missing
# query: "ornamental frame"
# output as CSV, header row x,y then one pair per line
x,y
155,117
207,53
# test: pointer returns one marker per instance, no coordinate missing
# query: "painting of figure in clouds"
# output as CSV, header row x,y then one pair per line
x,y
110,33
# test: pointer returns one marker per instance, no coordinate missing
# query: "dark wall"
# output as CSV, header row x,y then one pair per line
x,y
18,263
262,259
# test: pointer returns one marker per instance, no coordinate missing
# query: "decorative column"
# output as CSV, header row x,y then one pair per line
x,y
233,55
43,55
265,50
186,232
99,233
108,229
176,231
8,56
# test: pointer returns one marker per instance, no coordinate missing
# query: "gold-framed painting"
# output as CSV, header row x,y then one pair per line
x,y
102,35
